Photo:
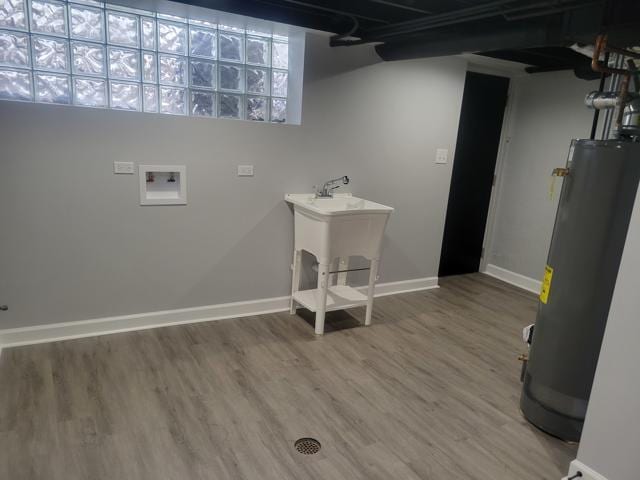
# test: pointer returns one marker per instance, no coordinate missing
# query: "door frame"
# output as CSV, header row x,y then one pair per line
x,y
503,148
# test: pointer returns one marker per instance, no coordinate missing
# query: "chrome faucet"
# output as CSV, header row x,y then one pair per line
x,y
326,191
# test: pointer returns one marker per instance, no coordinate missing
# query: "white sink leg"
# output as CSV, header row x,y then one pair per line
x,y
323,286
295,278
373,274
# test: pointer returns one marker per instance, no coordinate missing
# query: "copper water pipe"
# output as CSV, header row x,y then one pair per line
x,y
601,47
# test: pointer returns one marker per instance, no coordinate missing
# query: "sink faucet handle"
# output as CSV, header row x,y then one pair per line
x,y
330,185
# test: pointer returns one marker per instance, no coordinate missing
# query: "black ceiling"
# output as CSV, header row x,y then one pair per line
x,y
336,16
535,32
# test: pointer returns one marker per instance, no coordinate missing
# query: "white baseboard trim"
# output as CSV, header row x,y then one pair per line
x,y
140,321
587,473
125,323
513,278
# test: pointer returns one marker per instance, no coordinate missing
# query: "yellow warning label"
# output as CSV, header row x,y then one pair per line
x,y
546,284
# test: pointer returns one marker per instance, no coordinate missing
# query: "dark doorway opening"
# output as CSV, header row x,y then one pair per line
x,y
483,105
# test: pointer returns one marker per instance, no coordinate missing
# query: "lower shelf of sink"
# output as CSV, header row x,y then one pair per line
x,y
339,297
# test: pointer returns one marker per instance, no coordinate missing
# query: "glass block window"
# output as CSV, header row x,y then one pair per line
x,y
93,54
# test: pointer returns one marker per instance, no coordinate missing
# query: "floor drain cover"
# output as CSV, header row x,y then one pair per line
x,y
307,446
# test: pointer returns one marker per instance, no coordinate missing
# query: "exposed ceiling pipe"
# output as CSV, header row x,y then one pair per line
x,y
623,93
490,10
551,11
622,51
600,48
402,6
334,42
348,34
459,13
636,77
613,87
351,15
505,12
596,114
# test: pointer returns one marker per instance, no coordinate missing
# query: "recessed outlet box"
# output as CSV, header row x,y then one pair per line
x,y
245,170
163,184
123,167
442,155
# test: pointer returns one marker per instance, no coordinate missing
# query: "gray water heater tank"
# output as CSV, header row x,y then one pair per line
x,y
591,225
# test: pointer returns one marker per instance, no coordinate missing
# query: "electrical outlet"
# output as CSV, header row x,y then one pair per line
x,y
245,170
123,167
442,155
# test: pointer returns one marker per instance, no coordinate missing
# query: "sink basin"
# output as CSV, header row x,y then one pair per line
x,y
341,226
340,204
330,229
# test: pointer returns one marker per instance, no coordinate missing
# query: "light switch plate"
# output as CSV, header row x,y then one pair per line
x,y
123,167
245,170
442,155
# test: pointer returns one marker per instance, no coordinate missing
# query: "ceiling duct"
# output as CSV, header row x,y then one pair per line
x,y
472,39
514,33
538,32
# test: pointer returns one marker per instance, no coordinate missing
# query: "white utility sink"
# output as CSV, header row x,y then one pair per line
x,y
340,204
335,229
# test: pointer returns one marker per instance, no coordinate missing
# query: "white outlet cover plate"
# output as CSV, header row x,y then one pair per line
x,y
245,170
442,155
123,167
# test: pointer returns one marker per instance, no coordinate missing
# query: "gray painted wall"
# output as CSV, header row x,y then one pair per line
x,y
610,440
75,244
547,112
